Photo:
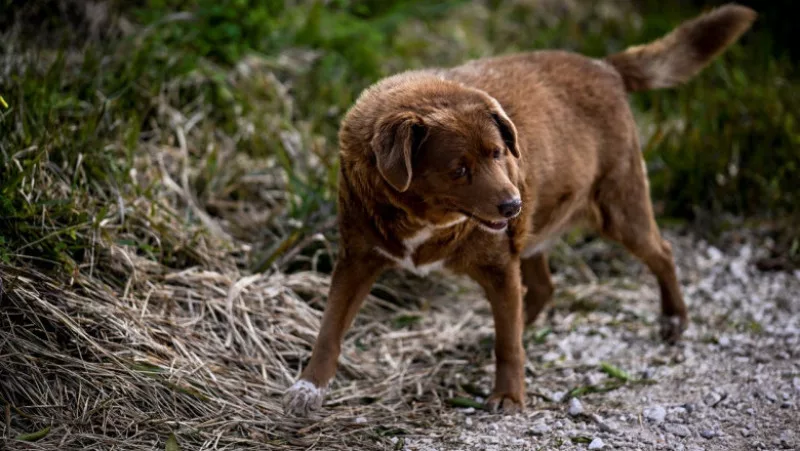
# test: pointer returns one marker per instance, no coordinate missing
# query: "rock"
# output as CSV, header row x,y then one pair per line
x,y
751,411
746,432
713,398
468,421
786,405
593,379
558,396
551,357
785,440
540,428
724,342
677,414
796,383
677,429
708,434
656,414
714,254
575,407
602,424
770,396
597,444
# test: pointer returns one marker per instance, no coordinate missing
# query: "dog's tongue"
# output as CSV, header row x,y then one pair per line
x,y
497,225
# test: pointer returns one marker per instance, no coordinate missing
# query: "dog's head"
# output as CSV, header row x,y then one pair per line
x,y
456,151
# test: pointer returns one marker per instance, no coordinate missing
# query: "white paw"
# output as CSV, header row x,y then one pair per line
x,y
302,397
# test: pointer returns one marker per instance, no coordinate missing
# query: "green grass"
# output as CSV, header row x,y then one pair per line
x,y
267,85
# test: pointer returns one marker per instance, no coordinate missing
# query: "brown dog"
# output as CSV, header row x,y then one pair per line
x,y
477,168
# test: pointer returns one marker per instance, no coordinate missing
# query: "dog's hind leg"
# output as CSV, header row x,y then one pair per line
x,y
352,279
623,200
539,284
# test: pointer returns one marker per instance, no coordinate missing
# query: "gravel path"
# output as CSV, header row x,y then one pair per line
x,y
733,383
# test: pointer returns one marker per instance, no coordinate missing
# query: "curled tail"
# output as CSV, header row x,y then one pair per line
x,y
678,56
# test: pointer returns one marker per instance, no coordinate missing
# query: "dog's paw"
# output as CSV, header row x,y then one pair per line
x,y
506,403
672,327
302,398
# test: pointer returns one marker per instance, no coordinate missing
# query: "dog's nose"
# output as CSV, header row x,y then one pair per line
x,y
511,208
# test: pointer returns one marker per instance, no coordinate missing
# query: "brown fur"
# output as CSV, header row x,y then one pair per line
x,y
552,129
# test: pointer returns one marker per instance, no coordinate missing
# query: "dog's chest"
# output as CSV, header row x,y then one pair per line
x,y
410,260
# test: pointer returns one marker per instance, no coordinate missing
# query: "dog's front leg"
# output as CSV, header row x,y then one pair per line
x,y
504,290
352,279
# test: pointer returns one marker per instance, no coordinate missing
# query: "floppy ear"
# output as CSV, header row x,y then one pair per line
x,y
507,130
396,138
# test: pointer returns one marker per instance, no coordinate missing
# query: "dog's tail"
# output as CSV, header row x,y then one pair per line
x,y
678,56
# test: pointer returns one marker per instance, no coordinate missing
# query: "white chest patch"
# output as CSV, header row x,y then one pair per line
x,y
411,245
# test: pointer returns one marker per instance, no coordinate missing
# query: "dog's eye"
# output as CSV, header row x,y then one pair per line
x,y
497,153
460,172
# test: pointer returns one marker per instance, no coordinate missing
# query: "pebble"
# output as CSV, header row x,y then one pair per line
x,y
708,434
575,407
770,396
540,428
796,383
676,414
746,432
786,405
677,429
656,414
551,357
713,398
602,424
597,444
785,440
594,379
714,254
558,396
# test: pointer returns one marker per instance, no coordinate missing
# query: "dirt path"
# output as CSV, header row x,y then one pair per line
x,y
734,382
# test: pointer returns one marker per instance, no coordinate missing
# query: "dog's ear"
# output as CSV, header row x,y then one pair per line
x,y
396,138
507,130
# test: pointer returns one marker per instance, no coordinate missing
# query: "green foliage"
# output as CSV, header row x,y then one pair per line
x,y
729,142
79,116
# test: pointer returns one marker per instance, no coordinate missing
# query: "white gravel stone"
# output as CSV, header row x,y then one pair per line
x,y
597,443
575,407
677,429
656,414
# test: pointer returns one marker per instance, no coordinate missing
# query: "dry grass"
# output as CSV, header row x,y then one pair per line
x,y
196,299
128,348
206,353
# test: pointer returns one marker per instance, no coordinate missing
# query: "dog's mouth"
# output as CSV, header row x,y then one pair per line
x,y
494,225
491,226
